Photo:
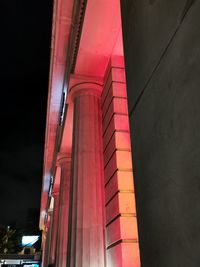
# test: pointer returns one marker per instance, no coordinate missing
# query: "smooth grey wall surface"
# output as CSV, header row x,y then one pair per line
x,y
162,54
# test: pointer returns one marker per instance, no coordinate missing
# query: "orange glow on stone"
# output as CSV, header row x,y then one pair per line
x,y
121,223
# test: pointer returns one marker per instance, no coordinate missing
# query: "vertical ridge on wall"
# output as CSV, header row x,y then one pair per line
x,y
121,223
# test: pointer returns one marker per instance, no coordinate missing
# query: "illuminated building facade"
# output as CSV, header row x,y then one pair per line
x,y
88,204
88,211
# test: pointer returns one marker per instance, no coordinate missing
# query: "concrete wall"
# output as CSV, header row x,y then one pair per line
x,y
162,53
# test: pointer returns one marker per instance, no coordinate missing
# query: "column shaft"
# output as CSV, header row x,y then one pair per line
x,y
54,226
47,243
87,230
61,250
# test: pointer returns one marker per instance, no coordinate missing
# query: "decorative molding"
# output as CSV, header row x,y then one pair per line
x,y
85,85
63,158
80,13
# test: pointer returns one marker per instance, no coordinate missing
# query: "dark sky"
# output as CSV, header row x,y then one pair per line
x,y
24,70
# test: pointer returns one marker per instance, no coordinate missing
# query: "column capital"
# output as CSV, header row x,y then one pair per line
x,y
47,225
50,210
63,158
85,85
55,191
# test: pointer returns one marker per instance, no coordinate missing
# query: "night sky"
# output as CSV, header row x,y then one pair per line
x,y
24,61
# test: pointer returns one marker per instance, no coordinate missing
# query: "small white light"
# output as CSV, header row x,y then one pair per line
x,y
28,241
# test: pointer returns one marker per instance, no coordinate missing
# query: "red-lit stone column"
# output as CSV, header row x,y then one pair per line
x,y
64,162
47,241
43,246
87,223
55,195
